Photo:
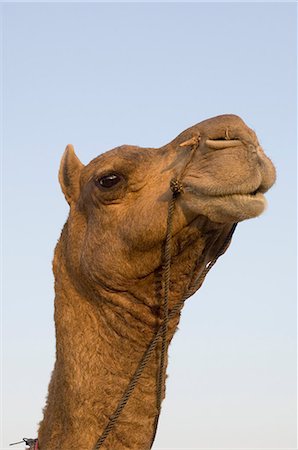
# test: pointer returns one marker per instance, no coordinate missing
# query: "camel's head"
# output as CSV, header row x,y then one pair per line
x,y
119,201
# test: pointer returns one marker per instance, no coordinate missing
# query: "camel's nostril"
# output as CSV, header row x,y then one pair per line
x,y
218,144
222,138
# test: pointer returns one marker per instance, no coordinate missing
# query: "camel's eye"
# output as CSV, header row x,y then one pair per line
x,y
108,181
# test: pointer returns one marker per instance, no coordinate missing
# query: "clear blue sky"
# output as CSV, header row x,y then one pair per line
x,y
98,75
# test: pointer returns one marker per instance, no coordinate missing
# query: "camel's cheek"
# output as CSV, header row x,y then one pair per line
x,y
128,246
106,259
142,224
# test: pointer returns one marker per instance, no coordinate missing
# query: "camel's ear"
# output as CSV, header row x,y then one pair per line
x,y
69,174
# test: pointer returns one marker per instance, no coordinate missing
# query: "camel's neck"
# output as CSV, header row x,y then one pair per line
x,y
99,346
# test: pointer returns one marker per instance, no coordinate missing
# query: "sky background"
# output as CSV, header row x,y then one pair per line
x,y
99,75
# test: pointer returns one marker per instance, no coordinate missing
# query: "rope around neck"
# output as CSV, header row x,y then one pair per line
x,y
176,188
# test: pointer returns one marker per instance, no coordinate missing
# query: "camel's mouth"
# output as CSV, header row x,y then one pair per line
x,y
243,200
255,195
250,197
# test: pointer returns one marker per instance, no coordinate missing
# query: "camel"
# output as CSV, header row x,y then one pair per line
x,y
108,269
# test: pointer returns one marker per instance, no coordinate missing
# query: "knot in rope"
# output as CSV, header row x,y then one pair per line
x,y
176,187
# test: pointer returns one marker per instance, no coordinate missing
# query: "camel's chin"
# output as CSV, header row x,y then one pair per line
x,y
236,207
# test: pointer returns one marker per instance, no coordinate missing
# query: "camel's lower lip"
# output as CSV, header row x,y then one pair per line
x,y
228,207
245,199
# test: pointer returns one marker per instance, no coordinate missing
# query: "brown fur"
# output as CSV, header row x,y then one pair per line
x,y
107,268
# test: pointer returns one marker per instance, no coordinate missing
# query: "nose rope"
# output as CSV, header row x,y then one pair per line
x,y
176,186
